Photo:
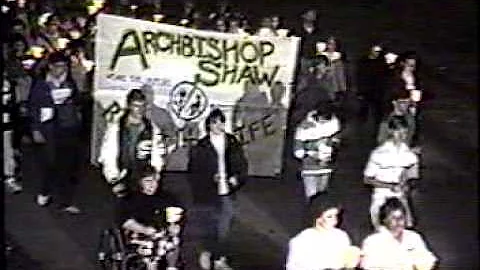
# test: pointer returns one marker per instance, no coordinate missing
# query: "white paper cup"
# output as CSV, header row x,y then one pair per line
x,y
62,43
174,214
321,47
37,51
282,32
158,17
415,95
92,9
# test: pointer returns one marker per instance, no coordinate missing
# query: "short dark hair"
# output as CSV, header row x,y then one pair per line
x,y
57,57
324,109
391,204
215,114
142,169
18,38
135,95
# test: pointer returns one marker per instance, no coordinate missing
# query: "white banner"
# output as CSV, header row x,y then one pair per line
x,y
185,73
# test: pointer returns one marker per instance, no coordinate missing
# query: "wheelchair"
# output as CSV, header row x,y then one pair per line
x,y
120,249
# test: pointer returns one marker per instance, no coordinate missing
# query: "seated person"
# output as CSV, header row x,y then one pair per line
x,y
393,247
144,212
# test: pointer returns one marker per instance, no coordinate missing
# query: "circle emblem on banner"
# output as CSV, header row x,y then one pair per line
x,y
187,100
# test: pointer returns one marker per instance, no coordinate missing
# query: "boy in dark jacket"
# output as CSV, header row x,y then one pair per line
x,y
55,123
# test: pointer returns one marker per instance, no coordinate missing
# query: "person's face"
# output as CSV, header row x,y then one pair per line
x,y
310,16
410,65
57,69
189,5
400,106
321,69
275,22
137,108
328,219
375,51
331,45
395,221
19,48
217,127
399,136
149,185
18,29
267,22
221,26
53,26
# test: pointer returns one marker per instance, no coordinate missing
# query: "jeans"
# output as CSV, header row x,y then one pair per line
x,y
211,225
58,160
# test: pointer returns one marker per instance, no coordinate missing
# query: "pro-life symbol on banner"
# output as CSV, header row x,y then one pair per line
x,y
187,100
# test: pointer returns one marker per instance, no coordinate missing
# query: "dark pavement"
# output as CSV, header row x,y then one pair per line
x,y
446,201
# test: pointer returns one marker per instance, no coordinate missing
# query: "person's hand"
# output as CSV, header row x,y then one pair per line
x,y
150,231
233,181
38,137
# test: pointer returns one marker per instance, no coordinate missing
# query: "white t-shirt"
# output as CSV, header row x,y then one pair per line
x,y
382,251
312,249
218,142
388,162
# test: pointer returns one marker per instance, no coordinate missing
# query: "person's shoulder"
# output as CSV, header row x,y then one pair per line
x,y
204,141
301,236
341,233
372,237
410,234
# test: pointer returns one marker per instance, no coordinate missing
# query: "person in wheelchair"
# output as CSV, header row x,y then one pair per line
x,y
150,219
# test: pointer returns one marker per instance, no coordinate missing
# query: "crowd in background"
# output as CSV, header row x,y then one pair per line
x,y
50,45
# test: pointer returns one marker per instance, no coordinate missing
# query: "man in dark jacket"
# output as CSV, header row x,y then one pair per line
x,y
55,123
217,168
372,72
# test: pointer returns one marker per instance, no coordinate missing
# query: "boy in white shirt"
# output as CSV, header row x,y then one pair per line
x,y
390,166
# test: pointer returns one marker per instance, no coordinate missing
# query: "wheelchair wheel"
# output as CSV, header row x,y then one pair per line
x,y
110,253
134,262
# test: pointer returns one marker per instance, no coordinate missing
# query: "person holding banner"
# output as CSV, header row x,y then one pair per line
x,y
217,169
316,140
130,138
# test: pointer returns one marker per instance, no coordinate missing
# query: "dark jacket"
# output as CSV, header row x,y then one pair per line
x,y
203,165
372,77
308,43
65,117
395,83
145,135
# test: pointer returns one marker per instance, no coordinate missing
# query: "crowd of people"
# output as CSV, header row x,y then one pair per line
x,y
48,81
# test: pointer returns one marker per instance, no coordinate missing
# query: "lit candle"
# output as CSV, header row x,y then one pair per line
x,y
62,43
321,47
158,17
174,214
37,51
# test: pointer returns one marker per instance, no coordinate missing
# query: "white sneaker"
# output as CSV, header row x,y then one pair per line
x,y
72,209
13,186
205,260
221,264
43,200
